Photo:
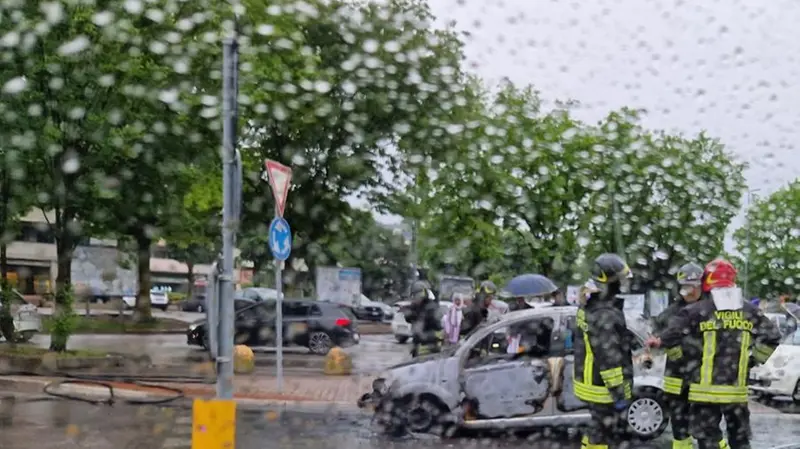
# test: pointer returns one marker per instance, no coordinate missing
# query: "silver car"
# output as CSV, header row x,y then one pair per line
x,y
471,386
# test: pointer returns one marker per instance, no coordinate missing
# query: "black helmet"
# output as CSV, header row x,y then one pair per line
x,y
487,288
690,274
609,268
420,291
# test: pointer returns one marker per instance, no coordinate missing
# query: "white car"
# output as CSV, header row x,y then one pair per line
x,y
27,321
159,300
780,375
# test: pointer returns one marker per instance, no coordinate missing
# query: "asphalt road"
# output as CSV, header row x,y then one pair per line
x,y
65,424
374,354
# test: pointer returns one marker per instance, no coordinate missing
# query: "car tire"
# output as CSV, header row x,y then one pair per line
x,y
319,343
418,414
401,339
796,393
647,415
24,336
199,308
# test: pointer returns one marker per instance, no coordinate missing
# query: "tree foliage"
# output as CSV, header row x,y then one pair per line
x,y
770,242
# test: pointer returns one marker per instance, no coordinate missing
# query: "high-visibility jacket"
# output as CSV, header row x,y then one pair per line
x,y
603,369
677,367
726,337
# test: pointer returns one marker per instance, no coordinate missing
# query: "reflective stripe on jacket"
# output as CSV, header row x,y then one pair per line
x,y
726,338
603,368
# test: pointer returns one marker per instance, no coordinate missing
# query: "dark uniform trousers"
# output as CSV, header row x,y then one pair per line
x,y
706,419
607,430
679,418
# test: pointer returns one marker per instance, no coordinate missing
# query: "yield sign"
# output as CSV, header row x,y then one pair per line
x,y
280,177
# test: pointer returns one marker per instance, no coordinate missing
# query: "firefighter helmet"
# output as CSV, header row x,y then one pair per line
x,y
690,274
609,268
719,273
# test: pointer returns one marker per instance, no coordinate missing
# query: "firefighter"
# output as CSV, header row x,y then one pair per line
x,y
726,327
478,311
689,277
425,318
603,359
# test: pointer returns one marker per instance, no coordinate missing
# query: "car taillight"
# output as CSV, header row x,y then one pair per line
x,y
343,322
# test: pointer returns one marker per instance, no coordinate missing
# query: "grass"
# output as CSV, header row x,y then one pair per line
x,y
23,350
115,324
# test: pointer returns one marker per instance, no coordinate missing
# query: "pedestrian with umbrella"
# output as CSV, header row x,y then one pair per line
x,y
529,291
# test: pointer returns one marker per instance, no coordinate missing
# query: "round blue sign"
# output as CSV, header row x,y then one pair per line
x,y
280,238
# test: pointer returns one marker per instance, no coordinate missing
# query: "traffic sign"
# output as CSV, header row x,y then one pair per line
x,y
280,238
280,178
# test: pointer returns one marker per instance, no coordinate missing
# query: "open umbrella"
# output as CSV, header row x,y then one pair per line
x,y
530,285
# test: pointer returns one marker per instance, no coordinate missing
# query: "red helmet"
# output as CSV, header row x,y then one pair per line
x,y
719,273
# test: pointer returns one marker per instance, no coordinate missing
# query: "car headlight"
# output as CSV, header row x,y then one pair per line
x,y
192,327
381,385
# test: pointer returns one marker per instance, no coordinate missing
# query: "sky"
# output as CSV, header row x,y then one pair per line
x,y
730,67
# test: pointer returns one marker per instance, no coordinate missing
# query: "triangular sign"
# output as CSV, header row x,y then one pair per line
x,y
280,178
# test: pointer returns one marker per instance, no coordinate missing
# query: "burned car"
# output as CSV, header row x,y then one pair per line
x,y
472,386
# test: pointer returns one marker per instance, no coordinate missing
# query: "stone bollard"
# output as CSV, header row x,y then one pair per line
x,y
338,362
244,361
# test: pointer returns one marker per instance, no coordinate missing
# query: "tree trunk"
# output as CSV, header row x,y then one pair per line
x,y
6,319
65,246
143,310
190,279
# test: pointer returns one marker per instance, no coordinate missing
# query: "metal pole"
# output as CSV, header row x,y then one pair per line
x,y
279,319
414,263
225,353
747,243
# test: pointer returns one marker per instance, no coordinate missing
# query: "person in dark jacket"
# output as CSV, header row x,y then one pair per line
x,y
425,317
603,359
689,279
728,327
478,311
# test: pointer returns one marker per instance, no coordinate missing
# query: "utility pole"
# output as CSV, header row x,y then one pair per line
x,y
229,218
750,195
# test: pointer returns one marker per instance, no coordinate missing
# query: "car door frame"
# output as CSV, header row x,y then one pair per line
x,y
534,364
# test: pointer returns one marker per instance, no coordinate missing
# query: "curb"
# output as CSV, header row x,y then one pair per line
x,y
27,385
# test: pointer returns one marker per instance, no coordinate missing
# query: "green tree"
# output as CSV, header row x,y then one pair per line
x,y
773,252
662,200
15,199
380,252
374,72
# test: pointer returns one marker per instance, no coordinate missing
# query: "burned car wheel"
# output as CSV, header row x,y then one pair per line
x,y
646,416
418,414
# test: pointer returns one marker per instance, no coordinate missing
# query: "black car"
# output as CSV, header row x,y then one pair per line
x,y
196,304
368,313
318,326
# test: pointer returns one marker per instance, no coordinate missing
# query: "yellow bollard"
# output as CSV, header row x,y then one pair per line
x,y
338,362
243,360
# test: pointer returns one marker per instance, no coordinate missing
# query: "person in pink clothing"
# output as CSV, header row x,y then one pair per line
x,y
451,321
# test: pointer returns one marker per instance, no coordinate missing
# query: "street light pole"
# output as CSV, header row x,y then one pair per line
x,y
747,242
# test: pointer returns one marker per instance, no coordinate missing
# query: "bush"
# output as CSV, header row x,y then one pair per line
x,y
177,297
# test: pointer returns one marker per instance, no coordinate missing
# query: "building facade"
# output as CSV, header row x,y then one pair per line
x,y
33,267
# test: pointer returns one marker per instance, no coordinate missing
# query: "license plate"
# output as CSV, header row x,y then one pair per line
x,y
375,313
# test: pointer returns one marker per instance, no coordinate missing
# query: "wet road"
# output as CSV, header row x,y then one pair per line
x,y
63,424
374,354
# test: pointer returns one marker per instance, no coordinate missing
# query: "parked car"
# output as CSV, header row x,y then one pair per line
x,y
318,326
467,385
196,304
158,300
370,310
27,321
780,375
